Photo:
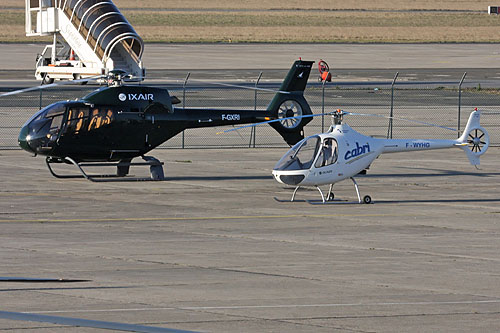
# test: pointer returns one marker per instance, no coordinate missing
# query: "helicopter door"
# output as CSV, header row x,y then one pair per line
x,y
328,153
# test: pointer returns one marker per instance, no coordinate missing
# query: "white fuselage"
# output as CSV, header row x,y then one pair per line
x,y
354,153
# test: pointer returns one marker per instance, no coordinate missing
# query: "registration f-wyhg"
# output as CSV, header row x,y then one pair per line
x,y
342,153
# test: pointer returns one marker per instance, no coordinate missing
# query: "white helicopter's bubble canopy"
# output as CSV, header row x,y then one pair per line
x,y
301,156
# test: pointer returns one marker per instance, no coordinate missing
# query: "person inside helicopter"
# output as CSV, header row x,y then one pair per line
x,y
328,153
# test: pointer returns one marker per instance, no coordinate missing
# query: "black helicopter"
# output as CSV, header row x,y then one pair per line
x,y
119,122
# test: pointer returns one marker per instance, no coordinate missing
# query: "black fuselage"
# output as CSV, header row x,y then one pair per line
x,y
122,122
109,133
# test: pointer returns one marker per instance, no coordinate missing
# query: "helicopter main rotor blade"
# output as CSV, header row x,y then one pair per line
x,y
274,121
241,87
402,119
333,112
62,83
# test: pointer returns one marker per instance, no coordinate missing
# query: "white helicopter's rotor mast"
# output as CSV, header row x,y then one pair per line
x,y
338,117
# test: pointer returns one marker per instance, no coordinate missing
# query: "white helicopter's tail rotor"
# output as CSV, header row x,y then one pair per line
x,y
475,140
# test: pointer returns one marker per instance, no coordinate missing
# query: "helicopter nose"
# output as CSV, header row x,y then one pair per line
x,y
288,179
24,138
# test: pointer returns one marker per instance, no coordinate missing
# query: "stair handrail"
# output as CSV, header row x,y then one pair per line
x,y
106,29
115,41
96,22
88,10
137,58
74,10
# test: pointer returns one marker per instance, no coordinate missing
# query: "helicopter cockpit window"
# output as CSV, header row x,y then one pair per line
x,y
55,114
77,119
327,154
100,117
83,119
56,110
300,156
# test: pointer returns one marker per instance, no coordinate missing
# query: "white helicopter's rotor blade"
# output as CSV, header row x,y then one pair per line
x,y
402,119
274,121
333,112
241,87
46,86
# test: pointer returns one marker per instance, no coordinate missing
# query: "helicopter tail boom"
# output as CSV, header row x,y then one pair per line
x,y
474,141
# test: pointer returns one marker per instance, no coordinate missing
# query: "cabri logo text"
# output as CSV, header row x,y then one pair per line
x,y
359,150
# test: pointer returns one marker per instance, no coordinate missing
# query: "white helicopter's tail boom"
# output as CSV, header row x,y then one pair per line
x,y
474,141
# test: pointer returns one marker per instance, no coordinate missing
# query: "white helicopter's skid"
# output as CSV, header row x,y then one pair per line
x,y
330,198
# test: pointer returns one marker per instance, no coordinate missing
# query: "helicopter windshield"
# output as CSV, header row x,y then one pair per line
x,y
48,121
300,156
43,129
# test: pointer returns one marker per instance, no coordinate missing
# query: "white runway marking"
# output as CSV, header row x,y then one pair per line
x,y
284,306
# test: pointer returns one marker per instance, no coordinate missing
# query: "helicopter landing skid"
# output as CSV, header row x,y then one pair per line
x,y
330,197
156,169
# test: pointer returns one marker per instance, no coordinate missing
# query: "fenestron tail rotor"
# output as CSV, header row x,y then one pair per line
x,y
289,114
477,140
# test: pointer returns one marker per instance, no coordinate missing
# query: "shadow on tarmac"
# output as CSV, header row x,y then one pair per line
x,y
432,173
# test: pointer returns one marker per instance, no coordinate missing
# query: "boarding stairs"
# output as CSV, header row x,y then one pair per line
x,y
90,37
119,62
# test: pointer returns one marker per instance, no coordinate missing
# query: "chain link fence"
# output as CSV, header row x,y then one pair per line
x,y
443,104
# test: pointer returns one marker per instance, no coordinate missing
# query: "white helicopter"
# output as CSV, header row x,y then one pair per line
x,y
342,152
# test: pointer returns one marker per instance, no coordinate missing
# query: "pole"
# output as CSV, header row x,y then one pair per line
x,y
460,102
253,130
54,45
323,108
184,103
389,129
41,84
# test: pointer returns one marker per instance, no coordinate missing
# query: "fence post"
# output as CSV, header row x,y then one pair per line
x,y
389,129
323,108
184,101
253,130
460,101
41,96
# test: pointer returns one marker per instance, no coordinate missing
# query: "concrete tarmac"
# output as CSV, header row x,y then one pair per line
x,y
210,250
357,63
279,56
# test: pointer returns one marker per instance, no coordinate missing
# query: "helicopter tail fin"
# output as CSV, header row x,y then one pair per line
x,y
290,102
475,139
